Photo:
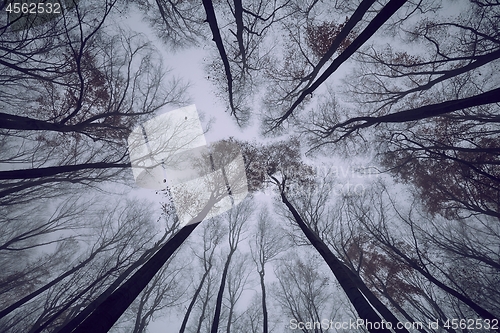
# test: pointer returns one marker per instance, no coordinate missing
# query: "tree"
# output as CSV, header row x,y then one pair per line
x,y
303,292
412,253
116,238
282,167
212,237
241,49
266,246
163,292
217,172
412,82
297,93
465,156
236,219
107,240
434,110
72,111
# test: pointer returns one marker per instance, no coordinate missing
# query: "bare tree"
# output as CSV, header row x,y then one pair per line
x,y
212,237
266,246
216,173
304,292
118,236
303,74
241,37
236,219
72,113
163,292
280,165
412,253
432,114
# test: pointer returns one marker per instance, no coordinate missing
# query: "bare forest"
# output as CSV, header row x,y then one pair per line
x,y
359,191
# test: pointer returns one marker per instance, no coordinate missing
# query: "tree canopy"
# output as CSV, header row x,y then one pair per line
x,y
367,139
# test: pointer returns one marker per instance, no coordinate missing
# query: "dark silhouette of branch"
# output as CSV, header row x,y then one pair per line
x,y
217,38
368,32
108,312
363,308
433,110
478,62
56,170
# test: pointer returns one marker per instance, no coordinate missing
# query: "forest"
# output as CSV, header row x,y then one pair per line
x,y
360,191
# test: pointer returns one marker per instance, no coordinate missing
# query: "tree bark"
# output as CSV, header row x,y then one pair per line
x,y
363,308
218,303
56,170
107,313
384,15
264,304
193,301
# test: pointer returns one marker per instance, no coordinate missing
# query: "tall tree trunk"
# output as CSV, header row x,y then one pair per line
x,y
423,112
217,38
56,170
358,14
363,308
375,302
107,313
193,301
264,305
222,286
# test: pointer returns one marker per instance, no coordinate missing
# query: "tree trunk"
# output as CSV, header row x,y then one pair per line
x,y
218,304
217,38
375,302
107,313
56,170
193,301
264,305
363,308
